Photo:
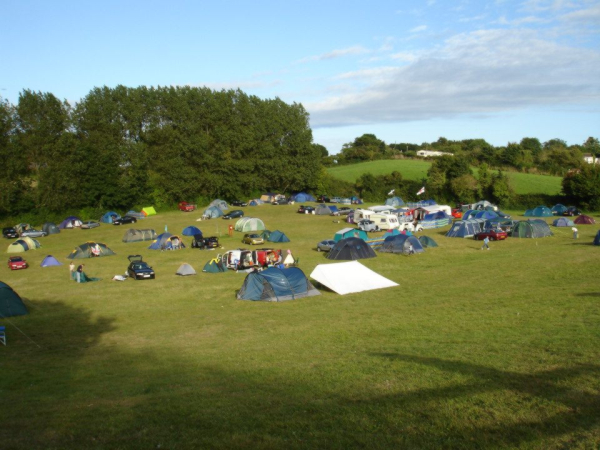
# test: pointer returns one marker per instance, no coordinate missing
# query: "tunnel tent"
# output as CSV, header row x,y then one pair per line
x,y
401,243
11,303
350,232
465,228
538,211
276,285
50,228
532,228
19,246
134,235
246,224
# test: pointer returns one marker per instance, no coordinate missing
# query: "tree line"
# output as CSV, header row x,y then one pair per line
x,y
121,147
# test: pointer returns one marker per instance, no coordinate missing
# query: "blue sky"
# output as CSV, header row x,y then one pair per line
x,y
407,71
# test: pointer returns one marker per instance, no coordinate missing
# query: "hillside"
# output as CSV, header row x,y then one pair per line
x,y
522,183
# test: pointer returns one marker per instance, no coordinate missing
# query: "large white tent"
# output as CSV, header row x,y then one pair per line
x,y
349,277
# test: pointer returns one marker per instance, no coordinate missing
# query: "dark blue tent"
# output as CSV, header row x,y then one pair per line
x,y
191,231
276,285
563,222
597,238
278,236
10,302
401,244
465,228
167,241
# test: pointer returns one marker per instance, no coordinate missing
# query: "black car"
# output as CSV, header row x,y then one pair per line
x,y
239,203
138,269
306,209
205,242
572,211
9,233
234,214
323,199
125,219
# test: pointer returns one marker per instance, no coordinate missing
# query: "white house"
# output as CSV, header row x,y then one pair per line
x,y
590,159
430,153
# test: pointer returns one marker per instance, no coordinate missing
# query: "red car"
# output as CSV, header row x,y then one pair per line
x,y
187,207
16,263
493,235
457,213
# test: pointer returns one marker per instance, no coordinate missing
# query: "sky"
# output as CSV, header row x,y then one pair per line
x,y
406,71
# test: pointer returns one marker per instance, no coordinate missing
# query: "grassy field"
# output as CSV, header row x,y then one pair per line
x,y
410,169
474,349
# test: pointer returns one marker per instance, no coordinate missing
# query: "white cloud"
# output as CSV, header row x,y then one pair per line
x,y
418,29
356,50
481,72
588,15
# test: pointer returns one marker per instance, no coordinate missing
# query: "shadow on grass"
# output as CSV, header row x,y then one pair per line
x,y
588,294
81,390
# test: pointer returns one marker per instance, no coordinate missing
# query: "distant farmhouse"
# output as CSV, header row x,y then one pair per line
x,y
590,159
430,153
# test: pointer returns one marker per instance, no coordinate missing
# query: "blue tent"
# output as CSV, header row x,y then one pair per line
x,y
401,244
109,217
303,197
538,211
191,231
167,241
212,212
276,285
350,232
334,209
10,302
50,261
436,219
479,214
465,228
278,236
394,201
356,200
558,209
597,238
563,222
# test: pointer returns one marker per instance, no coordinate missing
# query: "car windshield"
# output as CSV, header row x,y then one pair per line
x,y
16,259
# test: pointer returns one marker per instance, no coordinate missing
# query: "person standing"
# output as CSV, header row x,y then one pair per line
x,y
486,243
71,270
575,233
79,273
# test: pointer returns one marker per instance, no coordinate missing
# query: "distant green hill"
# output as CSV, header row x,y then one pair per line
x,y
522,183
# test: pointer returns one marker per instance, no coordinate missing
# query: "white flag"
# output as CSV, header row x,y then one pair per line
x,y
421,190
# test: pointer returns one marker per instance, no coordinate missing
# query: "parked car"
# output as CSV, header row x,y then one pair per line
x,y
326,245
204,243
493,235
234,214
457,213
239,203
410,226
306,209
186,207
345,210
9,233
253,239
125,219
367,225
89,224
323,199
572,211
139,269
335,200
17,263
33,233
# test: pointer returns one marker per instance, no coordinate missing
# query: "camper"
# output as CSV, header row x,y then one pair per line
x,y
381,209
385,221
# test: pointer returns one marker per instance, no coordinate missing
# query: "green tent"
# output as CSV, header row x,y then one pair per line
x,y
246,224
426,241
149,211
10,302
87,251
535,228
215,265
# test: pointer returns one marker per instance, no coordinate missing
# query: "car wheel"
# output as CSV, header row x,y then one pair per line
x,y
376,228
318,249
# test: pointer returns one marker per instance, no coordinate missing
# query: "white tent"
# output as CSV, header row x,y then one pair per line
x,y
185,269
348,277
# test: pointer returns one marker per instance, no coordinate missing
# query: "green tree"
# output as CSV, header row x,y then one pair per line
x,y
582,186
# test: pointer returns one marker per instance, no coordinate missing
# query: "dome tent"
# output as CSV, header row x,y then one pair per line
x,y
597,238
50,261
191,231
394,201
221,204
246,224
401,244
465,228
351,249
562,222
50,228
185,270
22,245
70,222
215,265
538,211
276,285
10,302
278,236
167,241
109,217
427,242
85,251
303,197
322,210
212,212
535,228
558,209
584,220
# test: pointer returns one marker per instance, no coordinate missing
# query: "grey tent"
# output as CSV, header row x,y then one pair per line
x,y
133,235
535,228
322,210
401,243
185,269
50,228
351,249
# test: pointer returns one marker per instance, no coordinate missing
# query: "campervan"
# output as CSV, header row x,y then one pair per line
x,y
382,209
385,221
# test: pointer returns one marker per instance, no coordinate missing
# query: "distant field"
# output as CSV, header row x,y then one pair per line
x,y
415,170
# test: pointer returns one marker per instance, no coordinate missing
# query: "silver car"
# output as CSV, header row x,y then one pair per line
x,y
33,233
325,246
89,224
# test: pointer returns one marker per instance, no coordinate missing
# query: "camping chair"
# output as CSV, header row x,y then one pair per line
x,y
3,335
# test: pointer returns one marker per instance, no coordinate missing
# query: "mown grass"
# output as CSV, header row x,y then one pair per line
x,y
411,169
474,349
